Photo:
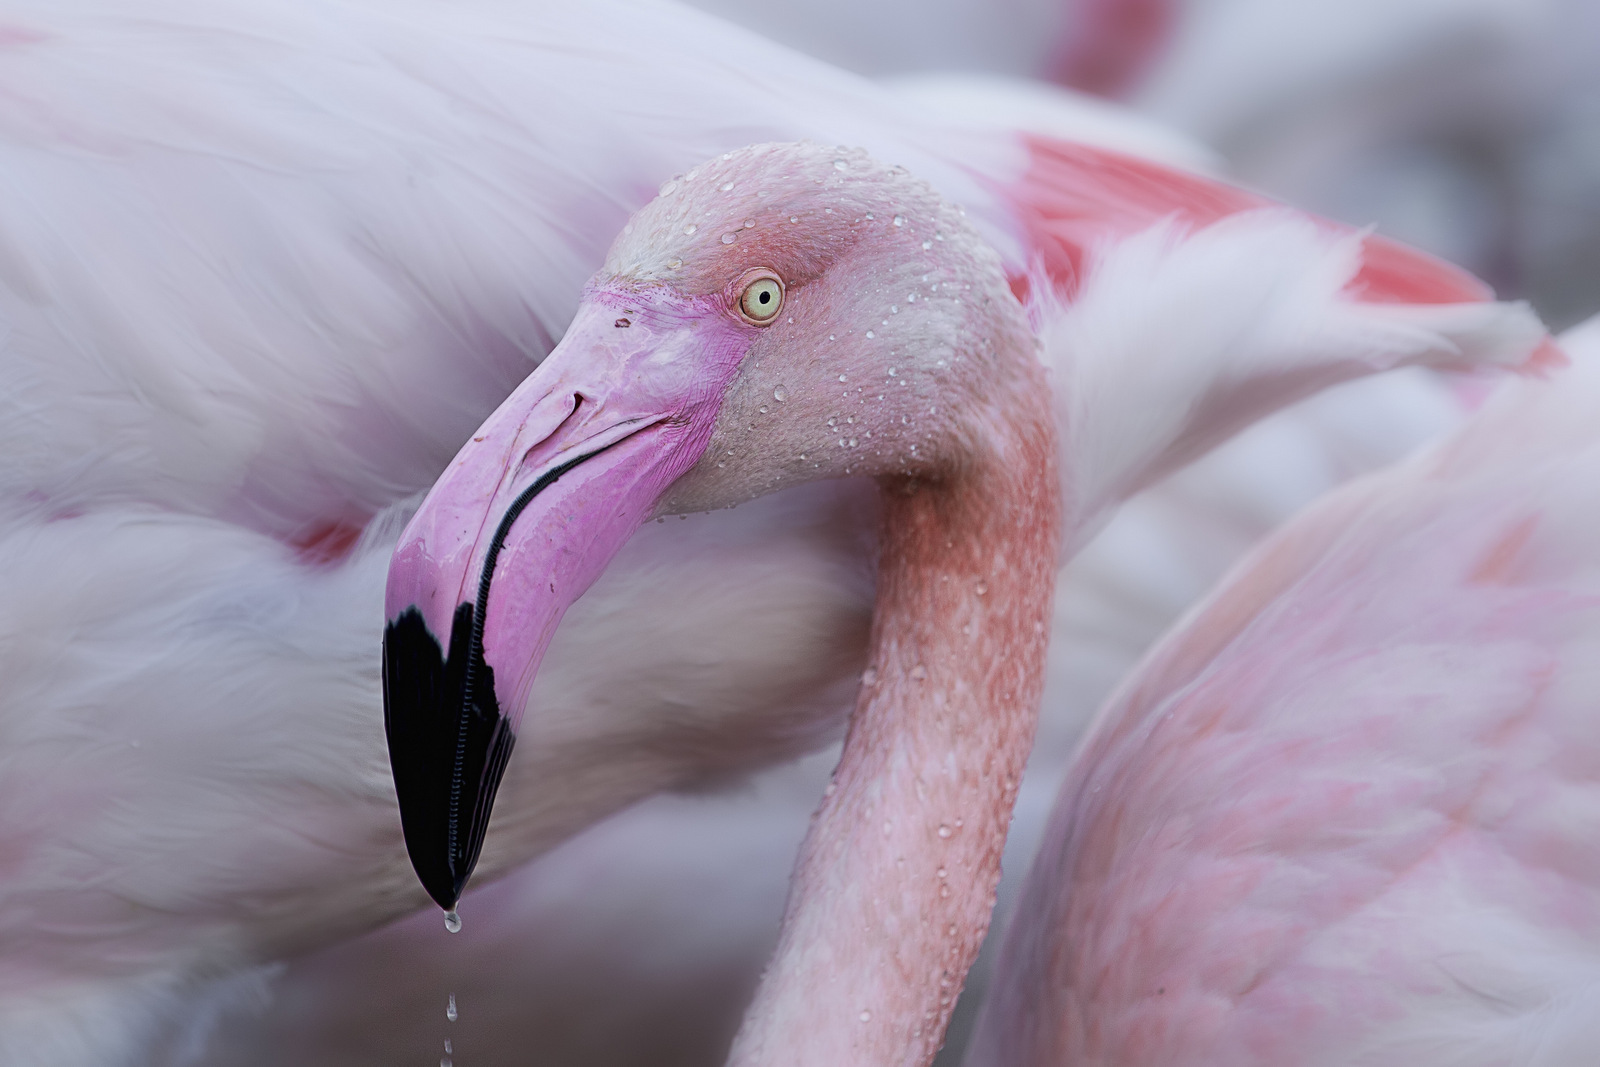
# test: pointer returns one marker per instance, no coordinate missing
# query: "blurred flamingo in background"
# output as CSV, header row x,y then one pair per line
x,y
266,267
1347,812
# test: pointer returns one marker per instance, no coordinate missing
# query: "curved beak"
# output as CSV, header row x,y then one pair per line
x,y
522,522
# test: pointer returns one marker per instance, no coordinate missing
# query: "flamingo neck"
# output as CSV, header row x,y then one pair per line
x,y
895,883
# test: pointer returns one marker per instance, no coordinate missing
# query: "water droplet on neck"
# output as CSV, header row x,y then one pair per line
x,y
780,394
865,1016
840,164
944,831
690,229
927,245
452,921
749,224
727,238
450,1009
899,220
668,188
727,187
870,334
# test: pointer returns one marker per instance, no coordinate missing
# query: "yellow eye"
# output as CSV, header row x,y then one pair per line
x,y
761,300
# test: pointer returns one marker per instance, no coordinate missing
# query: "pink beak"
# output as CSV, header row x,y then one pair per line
x,y
522,522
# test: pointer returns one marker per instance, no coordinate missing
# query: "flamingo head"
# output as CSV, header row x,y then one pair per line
x,y
780,314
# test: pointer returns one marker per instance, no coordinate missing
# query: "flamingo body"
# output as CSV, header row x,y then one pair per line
x,y
1346,813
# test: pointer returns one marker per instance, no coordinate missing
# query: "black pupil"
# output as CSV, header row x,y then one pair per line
x,y
764,297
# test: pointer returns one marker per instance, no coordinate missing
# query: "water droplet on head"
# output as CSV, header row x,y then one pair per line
x,y
690,229
871,334
727,238
899,220
763,409
780,394
668,187
749,224
674,264
727,187
927,245
841,377
944,831
794,218
865,1016
452,922
450,1010
840,164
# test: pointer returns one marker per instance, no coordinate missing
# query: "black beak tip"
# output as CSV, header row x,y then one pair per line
x,y
448,747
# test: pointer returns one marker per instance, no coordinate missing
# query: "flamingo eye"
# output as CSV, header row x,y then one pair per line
x,y
761,300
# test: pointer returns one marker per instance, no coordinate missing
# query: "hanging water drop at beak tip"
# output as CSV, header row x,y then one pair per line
x,y
452,921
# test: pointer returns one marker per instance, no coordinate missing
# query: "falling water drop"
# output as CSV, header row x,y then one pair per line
x,y
452,921
450,1009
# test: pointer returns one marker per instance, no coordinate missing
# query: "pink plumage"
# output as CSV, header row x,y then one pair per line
x,y
1345,813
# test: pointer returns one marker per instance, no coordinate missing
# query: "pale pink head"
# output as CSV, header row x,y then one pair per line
x,y
678,388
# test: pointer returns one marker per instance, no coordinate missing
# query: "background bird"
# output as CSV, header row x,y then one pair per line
x,y
1346,812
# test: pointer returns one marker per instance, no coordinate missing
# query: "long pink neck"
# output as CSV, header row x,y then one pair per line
x,y
895,883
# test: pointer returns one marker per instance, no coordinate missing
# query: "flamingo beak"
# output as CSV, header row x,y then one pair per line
x,y
522,522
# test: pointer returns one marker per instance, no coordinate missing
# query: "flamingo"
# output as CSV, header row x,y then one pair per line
x,y
747,333
265,267
1346,813
641,938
